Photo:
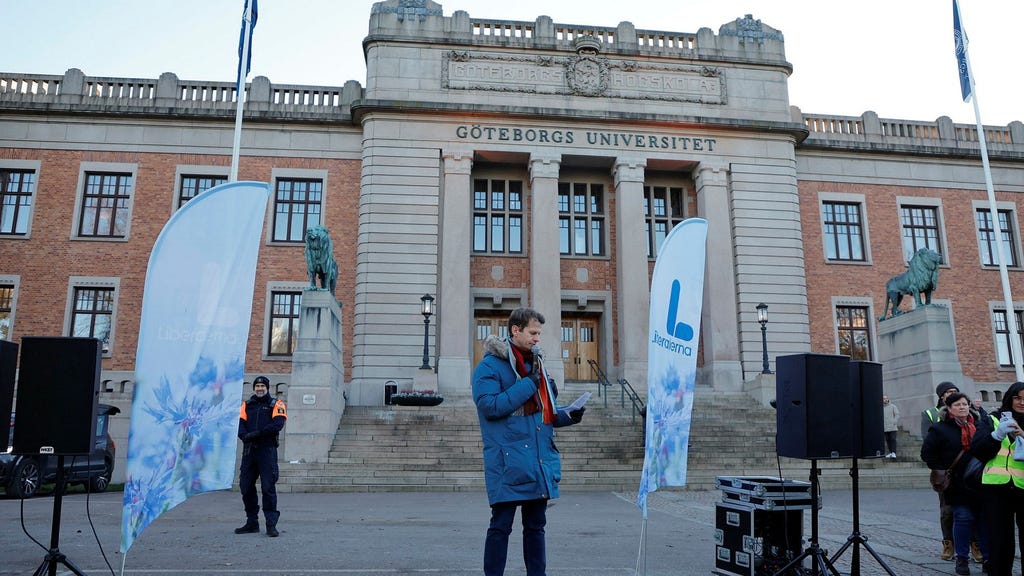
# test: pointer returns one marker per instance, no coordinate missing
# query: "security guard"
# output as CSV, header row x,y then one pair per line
x,y
1003,477
260,421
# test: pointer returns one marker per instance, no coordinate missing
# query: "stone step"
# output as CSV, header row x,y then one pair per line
x,y
439,449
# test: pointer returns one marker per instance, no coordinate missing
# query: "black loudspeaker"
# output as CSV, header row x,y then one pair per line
x,y
814,405
58,392
8,360
866,378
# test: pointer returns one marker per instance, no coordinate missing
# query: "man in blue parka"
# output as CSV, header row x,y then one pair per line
x,y
515,401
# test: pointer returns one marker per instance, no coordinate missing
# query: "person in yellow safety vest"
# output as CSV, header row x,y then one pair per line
x,y
1003,477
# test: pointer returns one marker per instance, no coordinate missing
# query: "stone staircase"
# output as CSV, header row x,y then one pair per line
x,y
421,449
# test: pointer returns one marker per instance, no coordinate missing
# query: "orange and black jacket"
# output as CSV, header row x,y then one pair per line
x,y
261,420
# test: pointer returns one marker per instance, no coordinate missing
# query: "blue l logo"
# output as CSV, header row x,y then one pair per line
x,y
680,330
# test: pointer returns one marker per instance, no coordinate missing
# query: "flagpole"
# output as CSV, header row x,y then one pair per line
x,y
243,73
1011,316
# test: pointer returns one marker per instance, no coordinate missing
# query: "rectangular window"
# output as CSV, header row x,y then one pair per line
x,y
296,207
854,332
987,237
284,323
844,233
17,188
6,310
93,314
192,186
581,219
1003,350
497,216
663,209
106,202
920,229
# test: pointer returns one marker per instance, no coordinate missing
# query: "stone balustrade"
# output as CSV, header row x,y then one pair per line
x,y
76,92
869,129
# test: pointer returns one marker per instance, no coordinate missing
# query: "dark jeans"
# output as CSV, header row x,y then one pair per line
x,y
259,461
965,519
534,517
1002,505
890,440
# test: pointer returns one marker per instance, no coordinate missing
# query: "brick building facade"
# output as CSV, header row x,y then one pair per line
x,y
495,164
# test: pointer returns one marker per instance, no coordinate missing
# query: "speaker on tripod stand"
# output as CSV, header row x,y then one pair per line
x,y
58,393
830,408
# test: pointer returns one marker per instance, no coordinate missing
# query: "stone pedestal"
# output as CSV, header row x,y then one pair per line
x,y
917,350
761,388
316,396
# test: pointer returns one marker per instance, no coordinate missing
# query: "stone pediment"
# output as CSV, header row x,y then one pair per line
x,y
586,73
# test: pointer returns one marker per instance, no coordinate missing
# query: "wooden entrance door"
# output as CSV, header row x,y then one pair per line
x,y
485,326
579,345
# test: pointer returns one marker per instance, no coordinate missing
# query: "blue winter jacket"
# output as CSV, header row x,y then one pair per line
x,y
521,461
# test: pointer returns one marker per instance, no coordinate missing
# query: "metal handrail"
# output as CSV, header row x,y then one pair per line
x,y
626,390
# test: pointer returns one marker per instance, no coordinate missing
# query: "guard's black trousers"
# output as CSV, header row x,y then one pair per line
x,y
259,461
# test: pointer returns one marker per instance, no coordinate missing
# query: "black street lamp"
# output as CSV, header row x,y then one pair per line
x,y
427,310
762,319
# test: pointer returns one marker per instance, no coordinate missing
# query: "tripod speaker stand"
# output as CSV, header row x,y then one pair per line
x,y
856,539
54,555
819,558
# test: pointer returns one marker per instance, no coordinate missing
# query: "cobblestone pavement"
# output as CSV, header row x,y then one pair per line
x,y
376,534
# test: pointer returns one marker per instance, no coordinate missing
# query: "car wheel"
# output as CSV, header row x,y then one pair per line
x,y
25,480
101,481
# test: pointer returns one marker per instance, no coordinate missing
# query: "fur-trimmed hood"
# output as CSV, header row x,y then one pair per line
x,y
497,346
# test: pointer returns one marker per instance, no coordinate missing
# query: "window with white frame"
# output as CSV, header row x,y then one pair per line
x,y
92,314
921,228
106,205
17,191
297,206
853,331
1004,354
284,322
843,231
191,185
6,310
497,216
664,207
987,237
581,219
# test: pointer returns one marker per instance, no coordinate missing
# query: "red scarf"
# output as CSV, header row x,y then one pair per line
x,y
541,401
967,429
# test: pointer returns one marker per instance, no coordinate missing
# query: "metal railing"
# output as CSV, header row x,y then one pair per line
x,y
625,391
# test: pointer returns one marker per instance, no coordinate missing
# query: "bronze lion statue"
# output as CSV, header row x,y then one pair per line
x,y
922,276
320,260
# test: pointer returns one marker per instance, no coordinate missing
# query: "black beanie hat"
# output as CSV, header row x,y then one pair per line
x,y
943,387
261,380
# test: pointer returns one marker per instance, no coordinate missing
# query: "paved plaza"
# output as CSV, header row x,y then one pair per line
x,y
589,533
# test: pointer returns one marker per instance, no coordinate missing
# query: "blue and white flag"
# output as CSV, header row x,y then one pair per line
x,y
677,292
190,363
960,44
247,56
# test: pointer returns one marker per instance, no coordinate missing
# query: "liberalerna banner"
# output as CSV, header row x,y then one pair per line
x,y
190,363
677,292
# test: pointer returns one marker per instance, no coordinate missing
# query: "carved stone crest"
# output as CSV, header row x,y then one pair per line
x,y
587,72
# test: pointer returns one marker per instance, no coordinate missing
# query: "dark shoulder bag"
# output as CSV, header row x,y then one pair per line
x,y
940,478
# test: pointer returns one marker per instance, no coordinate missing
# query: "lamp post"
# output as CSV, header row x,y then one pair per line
x,y
762,319
427,310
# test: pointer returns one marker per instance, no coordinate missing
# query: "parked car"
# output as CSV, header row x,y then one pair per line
x,y
21,476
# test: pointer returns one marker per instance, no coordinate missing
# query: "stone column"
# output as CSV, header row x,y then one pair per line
x,y
455,308
632,276
316,395
719,326
545,269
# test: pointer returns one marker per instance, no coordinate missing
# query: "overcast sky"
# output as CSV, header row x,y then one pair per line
x,y
894,57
